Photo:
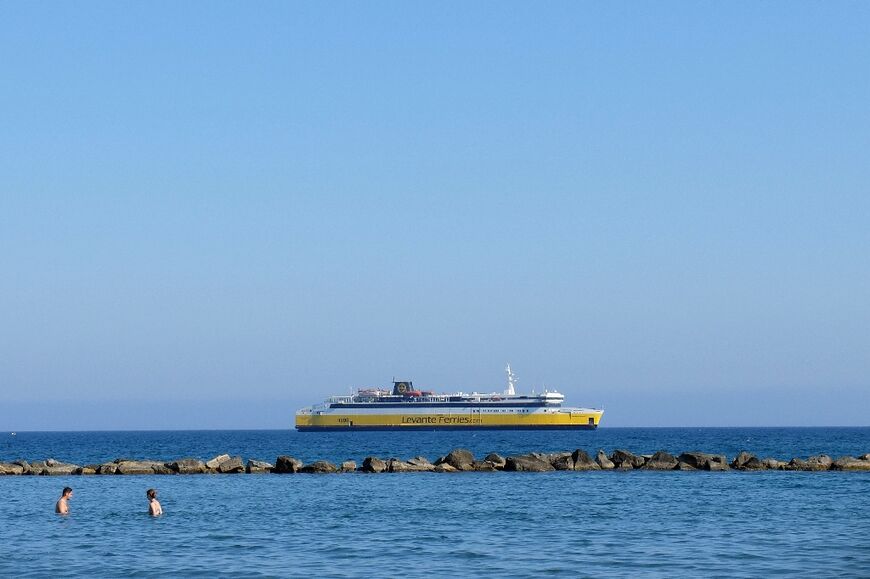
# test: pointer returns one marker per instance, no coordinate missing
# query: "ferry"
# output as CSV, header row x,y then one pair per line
x,y
404,408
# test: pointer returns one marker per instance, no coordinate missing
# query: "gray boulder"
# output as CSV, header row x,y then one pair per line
x,y
483,466
684,466
348,466
746,461
819,462
416,464
661,461
559,460
527,463
319,467
232,465
287,465
604,462
258,467
444,467
458,458
87,470
55,468
141,467
625,460
704,461
797,464
187,466
496,460
7,468
851,463
773,464
374,465
214,463
582,461
108,468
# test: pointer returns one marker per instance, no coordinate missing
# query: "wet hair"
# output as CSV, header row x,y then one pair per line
x,y
151,493
66,491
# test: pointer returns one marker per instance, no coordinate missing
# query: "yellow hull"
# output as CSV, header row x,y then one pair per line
x,y
454,420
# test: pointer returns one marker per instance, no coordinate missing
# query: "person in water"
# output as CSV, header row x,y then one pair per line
x,y
62,508
154,508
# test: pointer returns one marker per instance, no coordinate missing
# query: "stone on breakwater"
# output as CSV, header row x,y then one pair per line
x,y
483,466
582,461
495,460
444,467
348,466
458,458
11,469
416,464
232,465
319,467
625,460
851,463
704,461
142,467
214,463
373,464
558,460
604,462
527,463
661,461
187,466
746,461
287,465
86,470
258,467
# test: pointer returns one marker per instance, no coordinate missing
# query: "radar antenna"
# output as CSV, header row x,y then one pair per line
x,y
512,381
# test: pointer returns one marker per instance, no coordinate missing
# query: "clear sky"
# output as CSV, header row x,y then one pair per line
x,y
214,213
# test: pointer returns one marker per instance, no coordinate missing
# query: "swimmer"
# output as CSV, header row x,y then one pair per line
x,y
62,508
154,508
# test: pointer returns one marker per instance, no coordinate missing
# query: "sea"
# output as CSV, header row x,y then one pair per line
x,y
572,524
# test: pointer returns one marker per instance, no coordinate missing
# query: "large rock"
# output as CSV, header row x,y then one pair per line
x,y
527,463
495,460
373,464
25,466
661,460
416,464
797,464
582,461
604,462
258,467
287,465
55,468
773,464
348,466
187,466
458,458
87,470
7,468
819,462
444,467
108,468
214,463
232,465
319,467
142,467
625,460
851,463
558,460
483,466
746,461
704,461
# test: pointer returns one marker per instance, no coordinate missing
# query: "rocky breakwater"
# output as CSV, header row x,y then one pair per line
x,y
456,461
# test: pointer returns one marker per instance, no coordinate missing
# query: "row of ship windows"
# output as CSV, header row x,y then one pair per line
x,y
491,411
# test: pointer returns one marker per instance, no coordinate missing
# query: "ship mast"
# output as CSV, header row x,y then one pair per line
x,y
512,381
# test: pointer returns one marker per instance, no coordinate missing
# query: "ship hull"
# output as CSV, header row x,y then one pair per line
x,y
333,420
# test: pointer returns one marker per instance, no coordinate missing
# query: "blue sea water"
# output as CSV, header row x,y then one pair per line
x,y
629,524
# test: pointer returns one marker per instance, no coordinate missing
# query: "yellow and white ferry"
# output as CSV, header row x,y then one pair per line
x,y
405,408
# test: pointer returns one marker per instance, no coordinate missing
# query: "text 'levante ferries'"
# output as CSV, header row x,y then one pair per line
x,y
405,408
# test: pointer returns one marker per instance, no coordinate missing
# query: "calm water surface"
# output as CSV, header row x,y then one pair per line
x,y
482,524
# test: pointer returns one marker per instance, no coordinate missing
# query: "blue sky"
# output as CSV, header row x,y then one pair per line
x,y
223,212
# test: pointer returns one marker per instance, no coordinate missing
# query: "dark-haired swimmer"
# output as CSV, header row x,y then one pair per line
x,y
61,507
154,508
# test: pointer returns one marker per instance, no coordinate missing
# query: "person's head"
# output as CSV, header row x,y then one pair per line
x,y
67,492
152,494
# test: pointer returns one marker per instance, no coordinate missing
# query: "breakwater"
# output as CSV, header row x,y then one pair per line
x,y
457,460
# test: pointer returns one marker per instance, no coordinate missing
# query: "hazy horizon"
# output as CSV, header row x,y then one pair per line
x,y
212,215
